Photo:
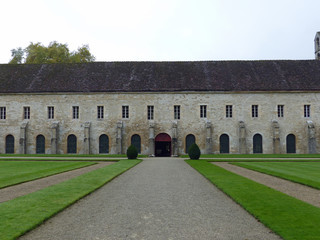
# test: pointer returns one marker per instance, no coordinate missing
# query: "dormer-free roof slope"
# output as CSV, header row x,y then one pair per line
x,y
273,75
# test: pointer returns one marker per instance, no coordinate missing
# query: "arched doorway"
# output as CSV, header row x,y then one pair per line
x,y
257,143
103,144
190,139
40,144
163,145
72,144
224,143
136,142
291,143
9,144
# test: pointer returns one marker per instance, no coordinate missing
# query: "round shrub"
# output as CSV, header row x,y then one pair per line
x,y
194,152
132,152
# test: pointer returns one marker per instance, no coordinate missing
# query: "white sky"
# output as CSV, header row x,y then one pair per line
x,y
165,30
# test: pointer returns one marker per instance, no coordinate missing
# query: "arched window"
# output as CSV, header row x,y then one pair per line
x,y
190,139
103,144
136,142
40,144
257,143
224,143
291,143
9,144
72,144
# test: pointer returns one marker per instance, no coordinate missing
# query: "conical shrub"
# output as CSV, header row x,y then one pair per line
x,y
132,152
194,151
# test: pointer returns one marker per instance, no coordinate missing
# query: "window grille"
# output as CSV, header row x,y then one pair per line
x,y
125,111
229,111
150,112
254,110
50,112
177,112
203,111
3,113
100,111
75,112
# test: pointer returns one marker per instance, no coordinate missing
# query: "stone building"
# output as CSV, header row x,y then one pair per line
x,y
317,46
161,107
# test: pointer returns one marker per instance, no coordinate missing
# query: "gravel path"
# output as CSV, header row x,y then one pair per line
x,y
12,192
160,198
299,191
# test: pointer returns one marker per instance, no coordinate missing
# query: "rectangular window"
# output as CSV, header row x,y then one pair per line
x,y
50,112
3,113
177,112
100,112
150,112
254,110
280,110
75,112
229,111
125,111
26,112
203,111
306,110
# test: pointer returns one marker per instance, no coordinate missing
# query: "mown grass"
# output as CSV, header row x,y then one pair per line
x,y
255,156
12,173
27,212
70,155
307,173
290,218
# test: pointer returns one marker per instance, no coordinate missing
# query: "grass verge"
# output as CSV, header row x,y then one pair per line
x,y
290,218
307,173
70,155
43,159
12,173
259,156
22,214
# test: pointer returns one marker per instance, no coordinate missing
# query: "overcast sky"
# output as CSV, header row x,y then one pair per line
x,y
165,30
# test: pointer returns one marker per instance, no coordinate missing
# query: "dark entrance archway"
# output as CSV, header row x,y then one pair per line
x,y
103,144
9,144
136,142
257,143
224,143
163,145
72,144
40,144
190,139
291,143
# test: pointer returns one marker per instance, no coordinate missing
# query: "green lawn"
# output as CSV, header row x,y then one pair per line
x,y
307,173
70,155
12,172
289,217
256,156
27,212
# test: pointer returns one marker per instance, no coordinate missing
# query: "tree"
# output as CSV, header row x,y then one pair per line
x,y
83,55
56,52
17,56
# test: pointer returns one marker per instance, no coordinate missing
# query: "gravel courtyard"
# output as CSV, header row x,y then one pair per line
x,y
160,198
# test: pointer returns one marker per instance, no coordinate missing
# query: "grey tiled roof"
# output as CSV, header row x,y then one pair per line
x,y
273,75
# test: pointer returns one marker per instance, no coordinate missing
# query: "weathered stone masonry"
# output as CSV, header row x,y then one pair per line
x,y
241,128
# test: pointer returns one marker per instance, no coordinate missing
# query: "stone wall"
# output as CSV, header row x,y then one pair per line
x,y
240,128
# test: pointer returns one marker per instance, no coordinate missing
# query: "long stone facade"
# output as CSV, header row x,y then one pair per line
x,y
108,122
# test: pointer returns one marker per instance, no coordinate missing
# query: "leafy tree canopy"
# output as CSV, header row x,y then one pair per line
x,y
56,52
